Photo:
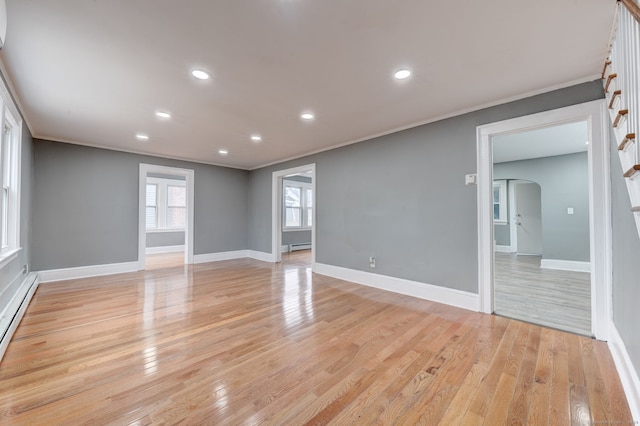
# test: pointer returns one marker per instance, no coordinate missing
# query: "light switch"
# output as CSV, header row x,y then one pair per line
x,y
569,210
470,179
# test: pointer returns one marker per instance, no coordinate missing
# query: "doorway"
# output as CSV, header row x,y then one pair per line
x,y
294,212
545,171
596,212
165,216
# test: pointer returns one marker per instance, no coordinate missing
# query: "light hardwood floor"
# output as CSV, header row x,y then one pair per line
x,y
163,260
248,342
553,298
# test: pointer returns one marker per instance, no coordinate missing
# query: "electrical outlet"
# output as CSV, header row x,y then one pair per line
x,y
25,269
372,262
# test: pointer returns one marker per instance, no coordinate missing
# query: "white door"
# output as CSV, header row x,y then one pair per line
x,y
528,218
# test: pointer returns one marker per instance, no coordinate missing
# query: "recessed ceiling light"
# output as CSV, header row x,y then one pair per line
x,y
307,116
163,114
223,152
256,138
402,74
200,75
142,137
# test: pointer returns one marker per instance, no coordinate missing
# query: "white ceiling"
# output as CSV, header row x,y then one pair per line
x,y
543,142
94,72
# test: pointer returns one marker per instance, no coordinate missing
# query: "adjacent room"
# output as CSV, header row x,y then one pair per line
x,y
296,212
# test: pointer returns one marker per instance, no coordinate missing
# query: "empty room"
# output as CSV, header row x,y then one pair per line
x,y
309,212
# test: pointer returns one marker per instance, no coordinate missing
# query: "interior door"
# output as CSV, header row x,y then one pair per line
x,y
528,218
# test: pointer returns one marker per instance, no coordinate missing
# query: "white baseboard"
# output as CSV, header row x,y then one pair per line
x,y
215,257
626,371
566,265
504,249
164,249
13,313
260,255
447,296
284,248
87,271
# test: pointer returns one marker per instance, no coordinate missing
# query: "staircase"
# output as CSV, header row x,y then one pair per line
x,y
621,80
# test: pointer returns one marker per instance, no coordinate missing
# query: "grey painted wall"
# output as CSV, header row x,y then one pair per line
x,y
164,239
626,262
502,235
85,206
296,237
564,180
401,197
11,275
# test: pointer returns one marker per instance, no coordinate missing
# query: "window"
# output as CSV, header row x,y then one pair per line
x,y
500,201
166,204
152,205
9,177
298,205
176,206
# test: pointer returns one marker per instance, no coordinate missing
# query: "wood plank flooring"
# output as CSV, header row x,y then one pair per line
x,y
248,342
163,260
553,298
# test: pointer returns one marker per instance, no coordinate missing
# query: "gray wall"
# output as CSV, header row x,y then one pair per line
x,y
401,197
12,275
564,180
502,234
626,262
164,239
296,237
85,206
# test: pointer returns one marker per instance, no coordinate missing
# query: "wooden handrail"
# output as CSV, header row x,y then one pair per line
x,y
632,7
635,209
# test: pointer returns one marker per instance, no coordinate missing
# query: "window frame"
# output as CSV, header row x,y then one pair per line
x,y
502,202
306,211
162,203
10,176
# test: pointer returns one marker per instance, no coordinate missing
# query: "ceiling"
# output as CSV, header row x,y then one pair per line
x,y
544,142
95,72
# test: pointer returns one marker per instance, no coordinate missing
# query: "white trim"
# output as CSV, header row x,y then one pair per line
x,y
8,256
216,257
284,248
260,255
626,371
13,313
87,271
163,230
447,296
299,246
503,249
429,120
164,249
501,184
599,202
566,265
276,212
189,175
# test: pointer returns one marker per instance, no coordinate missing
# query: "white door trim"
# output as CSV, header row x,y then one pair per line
x,y
276,211
599,202
142,235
